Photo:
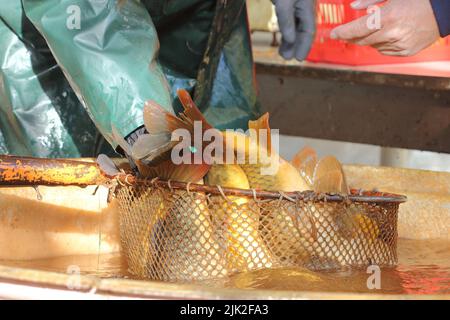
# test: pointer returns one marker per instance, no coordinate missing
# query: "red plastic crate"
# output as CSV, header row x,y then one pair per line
x,y
331,13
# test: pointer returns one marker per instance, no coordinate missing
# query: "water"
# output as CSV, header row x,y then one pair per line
x,y
424,268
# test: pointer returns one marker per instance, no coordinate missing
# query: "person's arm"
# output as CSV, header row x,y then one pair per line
x,y
40,115
399,28
441,10
108,52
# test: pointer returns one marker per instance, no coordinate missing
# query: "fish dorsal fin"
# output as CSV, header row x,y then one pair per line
x,y
158,121
329,177
262,123
191,111
305,162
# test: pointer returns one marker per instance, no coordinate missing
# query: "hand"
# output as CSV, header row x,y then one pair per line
x,y
406,27
297,21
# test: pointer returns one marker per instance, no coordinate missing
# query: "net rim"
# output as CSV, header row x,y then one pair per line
x,y
356,195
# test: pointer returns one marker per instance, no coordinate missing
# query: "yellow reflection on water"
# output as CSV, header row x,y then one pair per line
x,y
424,268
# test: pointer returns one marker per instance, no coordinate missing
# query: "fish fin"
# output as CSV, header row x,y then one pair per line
x,y
158,121
167,170
120,140
289,179
191,111
148,146
107,166
160,125
305,162
262,123
329,177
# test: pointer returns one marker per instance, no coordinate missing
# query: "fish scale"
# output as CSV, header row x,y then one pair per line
x,y
240,220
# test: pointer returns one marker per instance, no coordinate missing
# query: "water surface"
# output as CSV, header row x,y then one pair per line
x,y
424,268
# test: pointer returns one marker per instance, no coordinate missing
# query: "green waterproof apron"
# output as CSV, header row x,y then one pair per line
x,y
70,69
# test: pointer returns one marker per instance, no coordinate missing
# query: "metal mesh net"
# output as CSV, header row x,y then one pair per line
x,y
180,235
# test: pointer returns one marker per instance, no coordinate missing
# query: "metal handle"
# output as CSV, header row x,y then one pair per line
x,y
22,171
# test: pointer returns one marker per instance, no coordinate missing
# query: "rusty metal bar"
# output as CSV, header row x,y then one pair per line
x,y
26,171
20,171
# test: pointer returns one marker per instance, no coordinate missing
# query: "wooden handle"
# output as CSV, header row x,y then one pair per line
x,y
22,171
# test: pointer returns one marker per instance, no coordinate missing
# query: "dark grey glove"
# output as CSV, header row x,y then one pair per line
x,y
297,22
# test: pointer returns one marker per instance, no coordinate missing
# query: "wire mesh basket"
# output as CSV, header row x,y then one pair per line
x,y
189,232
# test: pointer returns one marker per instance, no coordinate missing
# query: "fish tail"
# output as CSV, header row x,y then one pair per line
x,y
305,162
191,111
329,176
262,124
158,121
